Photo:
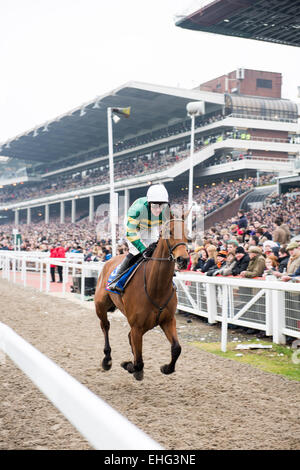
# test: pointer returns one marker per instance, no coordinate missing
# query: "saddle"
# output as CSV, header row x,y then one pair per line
x,y
129,273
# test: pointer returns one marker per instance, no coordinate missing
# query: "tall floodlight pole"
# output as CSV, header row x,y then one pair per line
x,y
195,108
111,181
191,173
113,115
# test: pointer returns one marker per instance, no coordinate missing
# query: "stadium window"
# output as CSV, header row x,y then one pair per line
x,y
262,83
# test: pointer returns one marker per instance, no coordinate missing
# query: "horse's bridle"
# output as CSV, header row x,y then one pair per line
x,y
170,258
170,248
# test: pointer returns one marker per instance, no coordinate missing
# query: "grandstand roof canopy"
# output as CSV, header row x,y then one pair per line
x,y
265,20
85,128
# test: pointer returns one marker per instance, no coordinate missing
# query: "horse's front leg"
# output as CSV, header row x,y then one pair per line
x,y
105,325
169,329
137,366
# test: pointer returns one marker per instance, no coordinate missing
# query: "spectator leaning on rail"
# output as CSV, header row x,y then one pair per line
x,y
212,258
283,259
202,259
293,264
226,268
220,263
256,266
144,217
242,261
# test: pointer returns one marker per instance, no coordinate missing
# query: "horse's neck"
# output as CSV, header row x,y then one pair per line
x,y
160,272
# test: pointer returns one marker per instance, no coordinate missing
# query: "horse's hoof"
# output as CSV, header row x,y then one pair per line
x,y
166,369
139,375
127,365
106,364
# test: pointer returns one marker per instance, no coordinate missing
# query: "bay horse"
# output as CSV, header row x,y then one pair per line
x,y
149,299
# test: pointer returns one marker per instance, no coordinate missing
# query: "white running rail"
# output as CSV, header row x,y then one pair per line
x,y
13,262
102,426
270,306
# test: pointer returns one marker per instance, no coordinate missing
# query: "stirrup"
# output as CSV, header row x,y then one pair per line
x,y
113,284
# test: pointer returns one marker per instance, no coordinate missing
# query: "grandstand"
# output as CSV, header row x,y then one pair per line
x,y
274,21
247,131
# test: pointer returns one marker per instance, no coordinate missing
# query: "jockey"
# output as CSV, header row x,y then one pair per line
x,y
144,217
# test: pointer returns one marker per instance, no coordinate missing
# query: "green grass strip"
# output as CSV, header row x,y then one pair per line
x,y
277,360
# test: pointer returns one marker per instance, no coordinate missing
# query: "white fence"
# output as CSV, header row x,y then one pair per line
x,y
270,306
102,426
14,262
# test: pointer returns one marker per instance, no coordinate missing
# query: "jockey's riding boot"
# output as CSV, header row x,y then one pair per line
x,y
122,268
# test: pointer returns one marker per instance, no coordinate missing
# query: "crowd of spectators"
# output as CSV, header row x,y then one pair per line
x,y
254,244
83,237
215,195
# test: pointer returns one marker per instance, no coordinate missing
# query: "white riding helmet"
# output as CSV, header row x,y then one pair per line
x,y
157,193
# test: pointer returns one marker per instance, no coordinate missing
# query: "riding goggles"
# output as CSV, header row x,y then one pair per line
x,y
159,205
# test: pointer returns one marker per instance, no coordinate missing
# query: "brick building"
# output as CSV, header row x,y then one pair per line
x,y
246,82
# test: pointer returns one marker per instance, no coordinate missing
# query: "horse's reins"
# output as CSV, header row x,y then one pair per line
x,y
170,258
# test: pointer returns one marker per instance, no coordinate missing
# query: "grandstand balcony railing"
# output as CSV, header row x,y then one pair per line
x,y
251,157
260,163
258,116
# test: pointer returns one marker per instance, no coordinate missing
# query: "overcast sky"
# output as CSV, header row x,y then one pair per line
x,y
57,54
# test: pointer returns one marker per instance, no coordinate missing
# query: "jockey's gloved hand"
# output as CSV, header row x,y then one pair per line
x,y
149,251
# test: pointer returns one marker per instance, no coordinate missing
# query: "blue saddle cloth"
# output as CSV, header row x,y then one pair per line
x,y
122,281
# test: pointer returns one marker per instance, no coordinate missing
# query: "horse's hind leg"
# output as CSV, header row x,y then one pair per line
x,y
169,329
105,325
136,342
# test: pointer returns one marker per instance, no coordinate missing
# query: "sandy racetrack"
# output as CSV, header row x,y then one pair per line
x,y
209,403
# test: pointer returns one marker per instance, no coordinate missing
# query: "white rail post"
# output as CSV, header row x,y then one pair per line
x,y
3,267
82,284
41,274
278,300
24,271
64,278
14,268
47,275
224,319
269,312
211,303
8,268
